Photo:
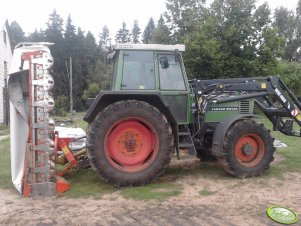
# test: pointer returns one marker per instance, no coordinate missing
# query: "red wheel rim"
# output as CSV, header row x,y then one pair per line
x,y
131,145
249,150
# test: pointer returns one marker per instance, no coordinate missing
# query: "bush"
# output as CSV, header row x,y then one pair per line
x,y
290,72
60,112
61,106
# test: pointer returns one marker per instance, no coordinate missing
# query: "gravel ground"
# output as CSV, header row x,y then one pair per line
x,y
231,202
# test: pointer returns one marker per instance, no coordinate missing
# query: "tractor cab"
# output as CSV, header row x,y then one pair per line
x,y
148,67
153,68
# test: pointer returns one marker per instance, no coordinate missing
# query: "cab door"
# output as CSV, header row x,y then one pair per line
x,y
173,84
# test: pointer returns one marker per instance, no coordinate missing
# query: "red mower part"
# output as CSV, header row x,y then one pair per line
x,y
249,150
61,185
26,190
131,145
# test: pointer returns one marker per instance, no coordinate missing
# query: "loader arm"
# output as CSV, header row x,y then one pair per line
x,y
271,95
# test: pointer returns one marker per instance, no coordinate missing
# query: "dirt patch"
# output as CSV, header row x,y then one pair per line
x,y
232,202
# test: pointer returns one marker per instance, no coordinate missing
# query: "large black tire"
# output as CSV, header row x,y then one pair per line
x,y
117,114
248,149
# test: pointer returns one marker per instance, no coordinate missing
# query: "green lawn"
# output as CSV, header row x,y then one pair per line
x,y
206,192
4,130
85,183
77,120
5,173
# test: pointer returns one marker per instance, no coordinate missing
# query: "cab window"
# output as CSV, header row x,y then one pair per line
x,y
138,70
171,74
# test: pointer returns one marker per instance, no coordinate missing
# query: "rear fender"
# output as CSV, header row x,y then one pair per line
x,y
105,98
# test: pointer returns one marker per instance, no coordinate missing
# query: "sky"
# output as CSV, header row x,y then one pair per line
x,y
94,14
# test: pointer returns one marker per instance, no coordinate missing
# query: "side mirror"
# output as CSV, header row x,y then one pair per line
x,y
111,56
178,58
164,62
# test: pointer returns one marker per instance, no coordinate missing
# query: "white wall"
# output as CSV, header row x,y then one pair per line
x,y
5,55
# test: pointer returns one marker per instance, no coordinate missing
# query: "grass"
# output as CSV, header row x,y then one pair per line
x,y
206,192
154,191
205,169
5,172
86,183
4,130
76,122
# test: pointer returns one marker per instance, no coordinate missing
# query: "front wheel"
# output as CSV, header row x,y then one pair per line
x,y
129,143
248,149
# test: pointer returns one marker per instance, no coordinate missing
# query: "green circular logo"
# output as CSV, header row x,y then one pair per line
x,y
282,215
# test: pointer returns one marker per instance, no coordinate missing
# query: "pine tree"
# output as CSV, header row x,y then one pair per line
x,y
70,29
69,38
123,35
54,34
148,31
135,32
37,36
18,34
104,39
54,27
184,17
161,33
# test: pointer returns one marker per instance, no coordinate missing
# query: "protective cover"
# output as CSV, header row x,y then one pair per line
x,y
18,88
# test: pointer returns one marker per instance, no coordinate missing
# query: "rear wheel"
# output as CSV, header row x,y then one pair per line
x,y
248,149
129,143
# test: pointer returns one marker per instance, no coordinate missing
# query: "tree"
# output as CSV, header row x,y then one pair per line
x,y
235,40
161,33
54,27
240,33
135,32
54,34
70,29
148,31
18,34
84,67
91,92
69,38
285,22
184,17
36,36
204,57
298,30
123,34
102,67
104,39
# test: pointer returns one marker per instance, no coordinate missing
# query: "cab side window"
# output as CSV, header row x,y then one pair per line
x,y
138,70
171,74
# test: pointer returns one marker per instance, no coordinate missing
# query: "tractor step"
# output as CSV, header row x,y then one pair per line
x,y
184,133
185,145
185,140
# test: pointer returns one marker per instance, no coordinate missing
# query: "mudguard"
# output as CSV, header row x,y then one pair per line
x,y
221,130
105,98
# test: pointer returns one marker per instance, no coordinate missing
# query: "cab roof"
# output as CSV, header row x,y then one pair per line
x,y
159,47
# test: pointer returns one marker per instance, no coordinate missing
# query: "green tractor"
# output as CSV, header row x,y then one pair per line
x,y
153,110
